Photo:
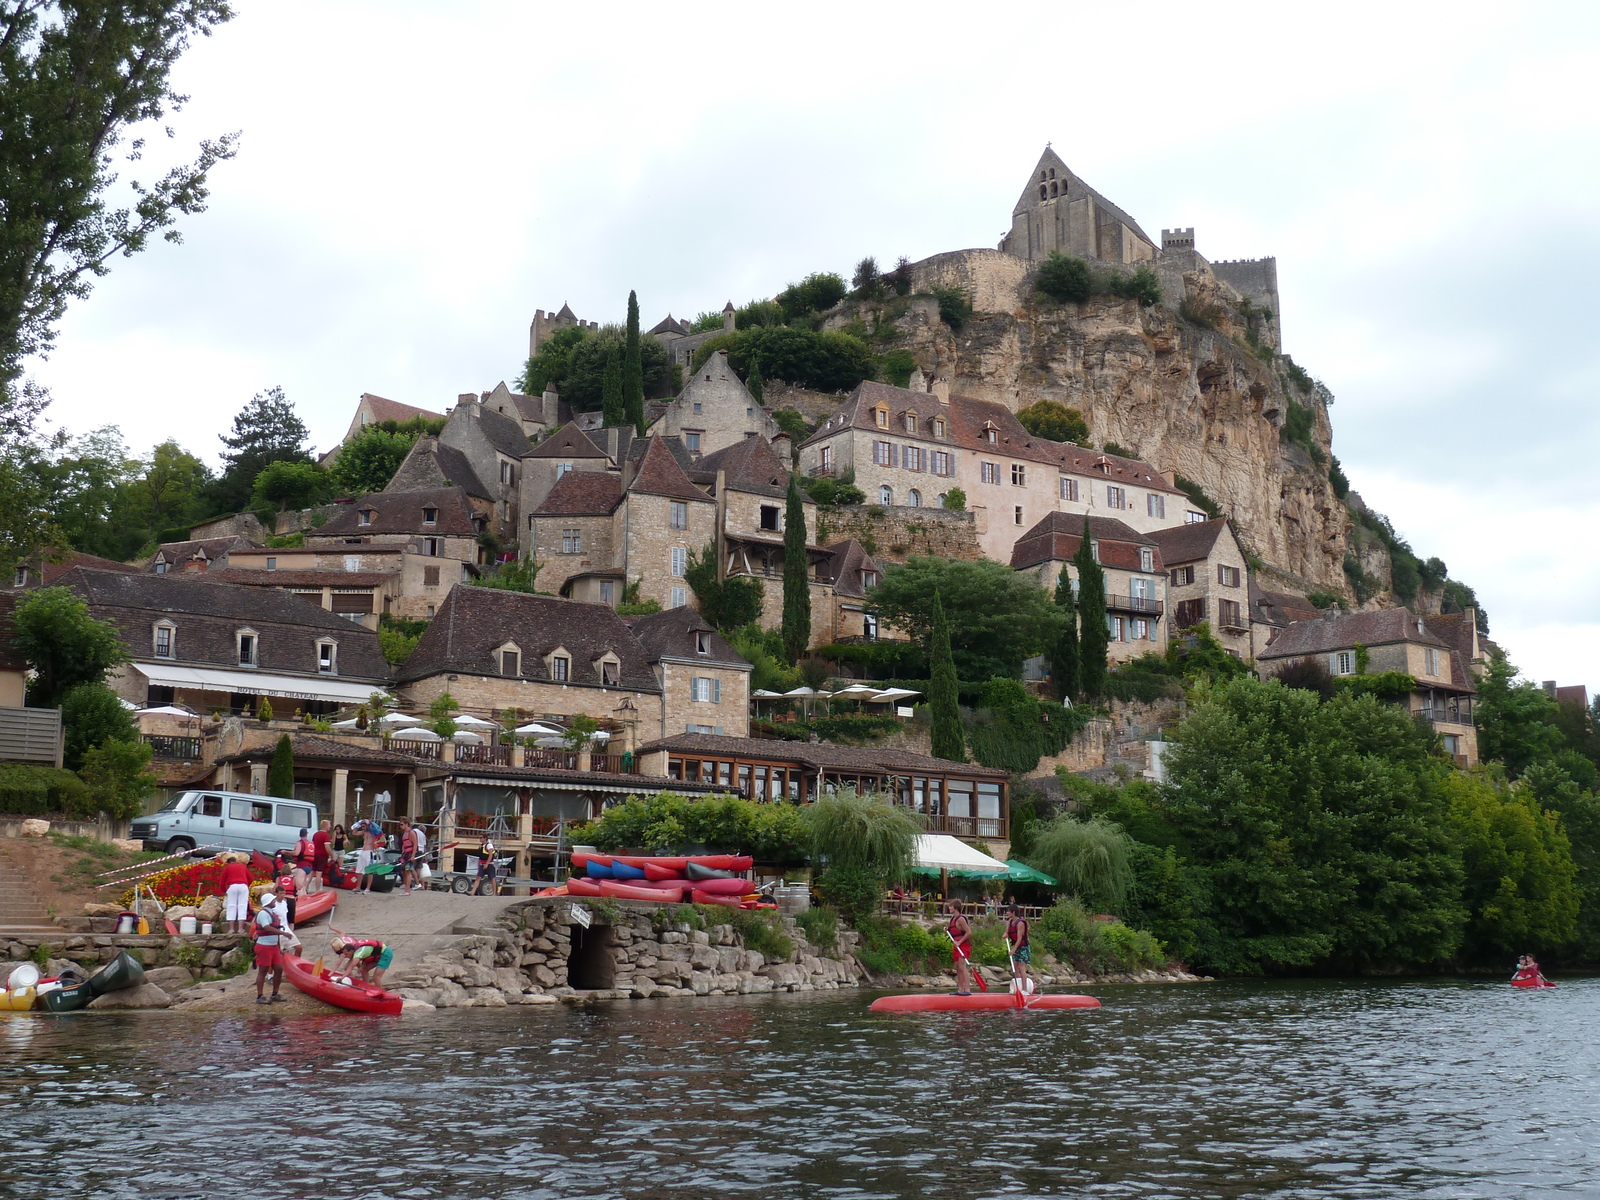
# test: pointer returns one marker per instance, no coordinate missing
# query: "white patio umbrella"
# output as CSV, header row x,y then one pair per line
x,y
350,724
418,734
897,693
856,691
533,727
166,710
396,718
470,722
763,694
466,737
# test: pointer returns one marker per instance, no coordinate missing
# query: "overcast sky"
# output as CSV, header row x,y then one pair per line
x,y
416,178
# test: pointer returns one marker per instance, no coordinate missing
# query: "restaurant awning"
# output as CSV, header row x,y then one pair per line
x,y
257,683
941,852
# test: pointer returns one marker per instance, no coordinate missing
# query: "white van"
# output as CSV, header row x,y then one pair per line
x,y
215,821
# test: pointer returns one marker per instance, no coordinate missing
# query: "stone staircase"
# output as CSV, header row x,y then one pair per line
x,y
20,910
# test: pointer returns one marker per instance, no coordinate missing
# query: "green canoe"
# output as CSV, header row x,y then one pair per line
x,y
123,971
68,999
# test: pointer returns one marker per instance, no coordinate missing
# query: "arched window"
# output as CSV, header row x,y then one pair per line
x,y
1041,191
1052,172
914,499
942,496
886,495
1052,191
1041,176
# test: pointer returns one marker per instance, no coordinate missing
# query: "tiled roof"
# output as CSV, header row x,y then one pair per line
x,y
608,780
474,622
309,745
393,410
1340,631
659,474
51,571
432,464
567,442
208,616
504,433
820,755
1057,536
1280,608
849,559
299,577
1188,543
582,494
178,553
401,512
752,465
668,324
672,632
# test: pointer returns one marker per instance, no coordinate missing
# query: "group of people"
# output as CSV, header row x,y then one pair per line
x,y
1018,948
413,847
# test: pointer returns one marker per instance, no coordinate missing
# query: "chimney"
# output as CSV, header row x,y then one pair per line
x,y
727,318
1550,688
468,402
783,447
1171,477
941,389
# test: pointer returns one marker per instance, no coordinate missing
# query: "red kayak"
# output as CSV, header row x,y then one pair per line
x,y
700,897
330,986
577,885
309,908
1530,979
660,885
658,871
624,891
978,1002
725,887
581,860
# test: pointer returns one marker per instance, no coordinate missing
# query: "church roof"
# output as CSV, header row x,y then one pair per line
x,y
1030,195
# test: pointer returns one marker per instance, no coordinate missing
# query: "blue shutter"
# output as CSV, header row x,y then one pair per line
x,y
716,691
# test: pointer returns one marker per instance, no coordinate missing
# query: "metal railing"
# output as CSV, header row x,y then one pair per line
x,y
1135,604
165,746
1446,716
486,754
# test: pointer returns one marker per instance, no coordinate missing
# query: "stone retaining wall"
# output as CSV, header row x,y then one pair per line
x,y
537,953
91,949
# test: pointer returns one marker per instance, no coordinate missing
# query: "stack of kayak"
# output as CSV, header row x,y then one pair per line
x,y
698,879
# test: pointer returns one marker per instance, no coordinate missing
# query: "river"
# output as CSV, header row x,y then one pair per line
x,y
1292,1089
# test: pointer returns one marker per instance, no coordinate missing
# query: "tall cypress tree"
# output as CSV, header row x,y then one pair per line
x,y
754,383
944,696
613,409
796,584
633,369
1093,634
280,772
1064,654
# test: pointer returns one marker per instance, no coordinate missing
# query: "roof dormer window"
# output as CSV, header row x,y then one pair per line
x,y
990,434
165,640
509,659
702,642
364,517
248,645
938,427
327,657
910,419
880,416
430,516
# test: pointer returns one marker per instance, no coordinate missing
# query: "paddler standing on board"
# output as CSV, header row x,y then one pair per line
x,y
1018,927
961,949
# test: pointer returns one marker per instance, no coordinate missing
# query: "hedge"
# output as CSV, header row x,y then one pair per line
x,y
28,791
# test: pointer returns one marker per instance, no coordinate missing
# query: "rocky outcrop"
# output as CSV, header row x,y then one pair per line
x,y
639,953
1185,390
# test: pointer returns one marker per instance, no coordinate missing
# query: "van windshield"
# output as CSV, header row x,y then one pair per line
x,y
177,803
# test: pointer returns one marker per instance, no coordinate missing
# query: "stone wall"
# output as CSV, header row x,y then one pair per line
x,y
891,535
536,952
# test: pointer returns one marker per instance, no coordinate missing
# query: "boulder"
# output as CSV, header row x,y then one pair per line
x,y
128,845
510,980
543,975
169,979
488,997
415,1006
33,827
532,998
452,995
146,995
102,910
211,909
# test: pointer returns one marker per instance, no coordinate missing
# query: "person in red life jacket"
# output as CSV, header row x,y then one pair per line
x,y
1528,970
235,883
371,954
961,949
1018,928
269,952
320,842
305,854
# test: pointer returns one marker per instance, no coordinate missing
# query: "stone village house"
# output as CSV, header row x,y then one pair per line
x,y
1208,579
1392,639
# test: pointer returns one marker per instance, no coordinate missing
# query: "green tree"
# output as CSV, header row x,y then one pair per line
x,y
444,704
1054,421
117,779
550,366
289,485
1092,859
1575,802
88,478
265,431
868,280
1065,279
63,644
633,369
280,771
1198,655
997,616
863,831
827,362
1521,886
92,714
1064,660
367,462
897,367
73,79
754,383
1517,722
816,293
727,604
583,384
1094,635
170,489
613,408
796,575
519,575
955,500
944,706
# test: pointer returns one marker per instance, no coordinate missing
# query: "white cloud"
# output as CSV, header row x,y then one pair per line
x,y
416,178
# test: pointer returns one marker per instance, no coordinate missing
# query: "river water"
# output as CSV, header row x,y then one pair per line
x,y
1297,1089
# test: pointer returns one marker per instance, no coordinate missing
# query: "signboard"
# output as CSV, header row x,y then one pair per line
x,y
582,915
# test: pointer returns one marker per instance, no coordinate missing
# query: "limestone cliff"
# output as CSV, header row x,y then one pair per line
x,y
1185,390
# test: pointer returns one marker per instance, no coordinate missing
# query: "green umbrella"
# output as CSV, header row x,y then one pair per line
x,y
1021,872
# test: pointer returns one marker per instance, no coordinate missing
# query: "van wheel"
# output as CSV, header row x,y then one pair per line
x,y
180,845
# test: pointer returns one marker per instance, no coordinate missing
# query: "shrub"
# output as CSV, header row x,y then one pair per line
x,y
27,790
897,367
827,492
1055,422
817,292
1142,686
1197,496
91,714
1324,599
761,933
1090,859
398,637
116,776
1144,285
1365,586
897,947
956,500
821,926
1011,730
1069,932
772,833
954,307
1337,479
1065,279
1205,313
852,890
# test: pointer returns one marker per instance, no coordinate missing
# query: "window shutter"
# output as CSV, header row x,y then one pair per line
x,y
719,730
689,727
716,691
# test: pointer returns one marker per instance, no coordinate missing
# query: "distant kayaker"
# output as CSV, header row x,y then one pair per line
x,y
960,932
235,883
269,953
1018,928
